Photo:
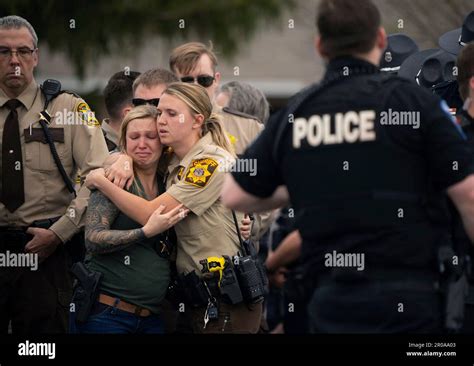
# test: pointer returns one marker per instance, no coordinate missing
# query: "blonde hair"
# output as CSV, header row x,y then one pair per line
x,y
140,112
197,99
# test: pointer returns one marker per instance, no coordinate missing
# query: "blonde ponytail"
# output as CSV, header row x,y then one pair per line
x,y
214,127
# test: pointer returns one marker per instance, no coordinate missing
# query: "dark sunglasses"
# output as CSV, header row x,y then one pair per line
x,y
139,101
203,80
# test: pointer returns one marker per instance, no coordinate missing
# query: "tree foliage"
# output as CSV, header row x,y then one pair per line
x,y
86,29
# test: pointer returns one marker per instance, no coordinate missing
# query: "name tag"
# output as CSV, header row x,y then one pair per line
x,y
37,134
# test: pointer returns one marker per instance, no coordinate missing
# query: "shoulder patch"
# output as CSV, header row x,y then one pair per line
x,y
180,173
85,113
200,171
239,114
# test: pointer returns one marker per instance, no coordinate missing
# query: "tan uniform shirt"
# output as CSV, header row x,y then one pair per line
x,y
110,134
240,130
80,145
209,229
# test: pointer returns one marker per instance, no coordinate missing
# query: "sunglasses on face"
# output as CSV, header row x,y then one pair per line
x,y
203,80
139,101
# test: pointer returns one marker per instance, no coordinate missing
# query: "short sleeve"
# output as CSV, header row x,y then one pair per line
x,y
201,185
266,177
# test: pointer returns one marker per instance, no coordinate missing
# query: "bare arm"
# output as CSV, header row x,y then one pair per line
x,y
462,195
234,197
288,251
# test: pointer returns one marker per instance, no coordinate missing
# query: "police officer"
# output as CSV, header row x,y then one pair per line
x,y
38,215
465,80
194,62
358,180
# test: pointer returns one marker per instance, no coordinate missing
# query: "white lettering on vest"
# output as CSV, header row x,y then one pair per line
x,y
349,127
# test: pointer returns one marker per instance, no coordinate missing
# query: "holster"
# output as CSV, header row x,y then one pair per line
x,y
454,288
86,290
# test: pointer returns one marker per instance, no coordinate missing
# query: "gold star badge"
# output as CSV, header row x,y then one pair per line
x,y
200,171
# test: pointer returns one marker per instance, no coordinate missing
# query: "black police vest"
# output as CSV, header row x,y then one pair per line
x,y
345,188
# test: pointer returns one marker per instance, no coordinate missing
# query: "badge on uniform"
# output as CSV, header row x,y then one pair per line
x,y
200,171
87,115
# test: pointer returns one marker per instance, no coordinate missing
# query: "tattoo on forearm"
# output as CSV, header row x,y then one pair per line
x,y
100,239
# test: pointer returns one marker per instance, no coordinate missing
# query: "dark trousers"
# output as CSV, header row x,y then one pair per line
x,y
377,307
36,302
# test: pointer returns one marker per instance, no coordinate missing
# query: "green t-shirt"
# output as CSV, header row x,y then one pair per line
x,y
136,274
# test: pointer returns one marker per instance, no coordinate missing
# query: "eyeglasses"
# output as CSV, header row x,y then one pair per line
x,y
139,101
203,80
23,53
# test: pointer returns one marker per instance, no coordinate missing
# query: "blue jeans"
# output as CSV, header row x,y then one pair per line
x,y
106,319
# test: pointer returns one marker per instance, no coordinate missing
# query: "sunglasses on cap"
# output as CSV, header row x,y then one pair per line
x,y
203,80
139,101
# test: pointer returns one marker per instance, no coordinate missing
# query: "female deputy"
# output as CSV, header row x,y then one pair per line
x,y
201,151
135,273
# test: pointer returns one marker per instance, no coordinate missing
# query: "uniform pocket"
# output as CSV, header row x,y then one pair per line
x,y
38,154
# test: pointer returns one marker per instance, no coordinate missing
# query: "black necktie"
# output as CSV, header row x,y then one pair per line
x,y
13,194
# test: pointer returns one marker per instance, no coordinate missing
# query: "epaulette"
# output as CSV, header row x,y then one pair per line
x,y
70,92
239,114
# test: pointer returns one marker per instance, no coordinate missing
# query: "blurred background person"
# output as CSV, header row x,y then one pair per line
x,y
118,95
245,98
465,80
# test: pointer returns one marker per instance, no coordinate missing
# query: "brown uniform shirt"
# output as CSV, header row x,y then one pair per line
x,y
80,145
240,128
209,229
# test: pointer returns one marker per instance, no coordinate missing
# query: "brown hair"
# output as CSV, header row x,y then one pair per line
x,y
347,27
465,65
185,57
154,77
197,99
